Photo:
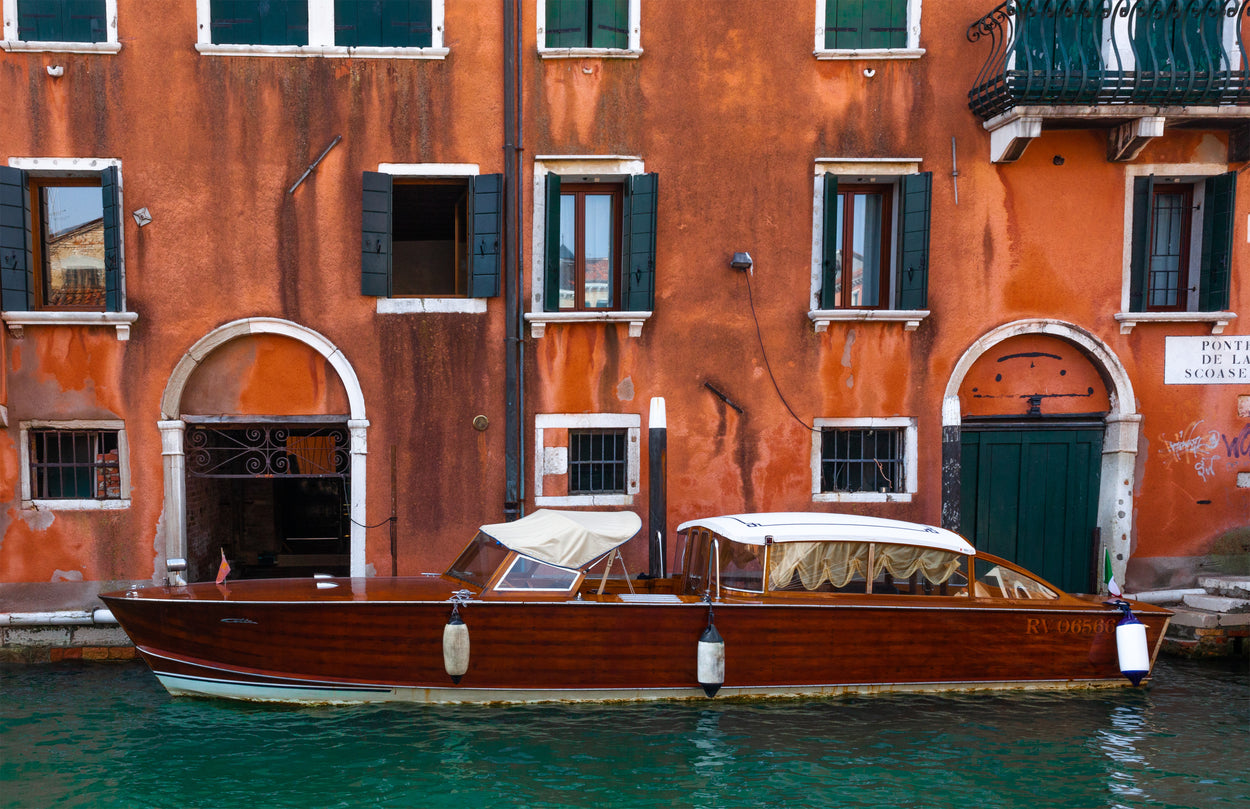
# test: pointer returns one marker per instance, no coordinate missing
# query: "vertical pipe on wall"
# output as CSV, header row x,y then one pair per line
x,y
513,383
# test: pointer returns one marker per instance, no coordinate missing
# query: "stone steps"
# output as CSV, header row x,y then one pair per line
x,y
1213,622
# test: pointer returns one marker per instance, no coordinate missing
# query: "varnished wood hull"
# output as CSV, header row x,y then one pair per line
x,y
366,642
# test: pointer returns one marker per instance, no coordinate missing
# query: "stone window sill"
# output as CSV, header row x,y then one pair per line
x,y
1218,320
330,51
869,54
17,321
862,497
540,320
413,306
76,505
595,500
60,47
589,53
910,318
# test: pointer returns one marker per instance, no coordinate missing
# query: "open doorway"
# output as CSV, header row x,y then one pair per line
x,y
272,496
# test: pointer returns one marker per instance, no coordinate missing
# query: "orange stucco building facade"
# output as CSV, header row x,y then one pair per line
x,y
942,319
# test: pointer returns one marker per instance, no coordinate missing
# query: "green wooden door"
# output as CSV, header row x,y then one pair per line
x,y
1031,496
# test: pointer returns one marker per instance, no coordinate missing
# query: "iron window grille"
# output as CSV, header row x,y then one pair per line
x,y
261,450
75,465
597,462
862,460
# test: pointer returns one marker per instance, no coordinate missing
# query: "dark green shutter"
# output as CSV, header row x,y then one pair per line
x,y
383,23
1217,241
61,21
609,23
375,235
1139,257
110,190
16,271
829,251
485,227
642,196
247,22
851,24
913,266
568,23
551,257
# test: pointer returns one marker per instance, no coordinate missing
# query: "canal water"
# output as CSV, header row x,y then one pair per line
x,y
108,736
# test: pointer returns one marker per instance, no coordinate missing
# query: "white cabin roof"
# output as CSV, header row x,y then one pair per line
x,y
796,526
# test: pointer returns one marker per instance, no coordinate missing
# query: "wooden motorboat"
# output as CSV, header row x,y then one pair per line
x,y
780,604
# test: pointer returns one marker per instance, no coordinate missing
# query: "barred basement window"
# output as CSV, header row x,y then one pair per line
x,y
75,465
597,462
862,460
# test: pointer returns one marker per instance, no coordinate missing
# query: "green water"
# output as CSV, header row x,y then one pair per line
x,y
109,736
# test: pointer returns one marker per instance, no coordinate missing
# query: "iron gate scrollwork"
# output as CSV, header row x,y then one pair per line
x,y
268,451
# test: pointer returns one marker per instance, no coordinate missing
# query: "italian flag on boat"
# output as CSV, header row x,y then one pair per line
x,y
1107,576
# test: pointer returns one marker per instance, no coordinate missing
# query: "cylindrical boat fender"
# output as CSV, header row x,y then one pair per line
x,y
455,646
1130,645
711,659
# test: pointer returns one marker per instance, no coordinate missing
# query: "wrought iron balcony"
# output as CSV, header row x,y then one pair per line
x,y
1102,58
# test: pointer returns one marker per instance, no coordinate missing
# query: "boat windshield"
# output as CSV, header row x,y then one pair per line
x,y
479,561
741,566
530,574
848,566
997,581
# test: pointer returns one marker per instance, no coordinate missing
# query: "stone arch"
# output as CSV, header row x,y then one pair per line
x,y
1120,440
173,427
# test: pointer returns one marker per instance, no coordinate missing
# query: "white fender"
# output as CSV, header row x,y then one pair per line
x,y
455,646
711,660
1130,646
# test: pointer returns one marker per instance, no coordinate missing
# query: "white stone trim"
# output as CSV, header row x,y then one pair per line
x,y
911,51
875,170
633,51
1117,479
171,426
10,42
430,169
321,37
18,320
911,463
1188,172
609,168
549,461
102,425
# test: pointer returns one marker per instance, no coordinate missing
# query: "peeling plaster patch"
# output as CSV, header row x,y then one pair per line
x,y
1243,480
370,571
38,519
850,381
1243,406
846,352
67,575
158,545
625,390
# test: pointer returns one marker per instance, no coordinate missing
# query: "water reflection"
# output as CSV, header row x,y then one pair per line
x,y
110,737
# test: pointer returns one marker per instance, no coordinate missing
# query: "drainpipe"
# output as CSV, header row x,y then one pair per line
x,y
514,493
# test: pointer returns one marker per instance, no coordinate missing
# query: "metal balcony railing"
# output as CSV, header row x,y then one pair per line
x,y
1079,52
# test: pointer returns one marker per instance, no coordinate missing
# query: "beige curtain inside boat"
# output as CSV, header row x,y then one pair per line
x,y
571,539
839,562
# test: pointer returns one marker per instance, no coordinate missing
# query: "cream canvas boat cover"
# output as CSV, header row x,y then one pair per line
x,y
569,539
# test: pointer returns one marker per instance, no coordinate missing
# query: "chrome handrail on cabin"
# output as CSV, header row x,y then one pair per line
x,y
1123,52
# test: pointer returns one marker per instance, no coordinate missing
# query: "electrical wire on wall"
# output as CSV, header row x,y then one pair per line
x,y
764,351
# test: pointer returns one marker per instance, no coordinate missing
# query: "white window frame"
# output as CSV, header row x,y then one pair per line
x,y
320,37
912,51
408,306
1189,172
123,465
911,464
554,460
77,167
12,43
633,51
579,168
872,170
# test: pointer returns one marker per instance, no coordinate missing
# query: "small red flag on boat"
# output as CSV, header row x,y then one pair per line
x,y
224,569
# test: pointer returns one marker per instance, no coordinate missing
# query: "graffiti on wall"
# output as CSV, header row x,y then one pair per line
x,y
1207,450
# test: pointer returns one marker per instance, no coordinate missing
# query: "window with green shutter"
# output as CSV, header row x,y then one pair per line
x,y
875,243
61,21
865,24
587,24
1181,243
259,22
383,23
430,237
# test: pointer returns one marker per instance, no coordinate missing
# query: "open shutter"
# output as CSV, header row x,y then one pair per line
x,y
640,206
485,226
1139,257
551,256
1217,242
568,25
110,189
913,265
375,235
829,250
17,281
884,24
609,20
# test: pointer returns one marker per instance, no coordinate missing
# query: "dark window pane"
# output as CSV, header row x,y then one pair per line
x,y
597,462
74,465
61,21
383,23
71,245
587,24
428,240
861,460
1168,258
259,22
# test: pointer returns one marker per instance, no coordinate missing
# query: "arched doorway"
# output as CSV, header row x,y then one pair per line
x,y
1039,443
263,441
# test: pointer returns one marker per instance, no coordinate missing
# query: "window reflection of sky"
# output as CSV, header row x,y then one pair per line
x,y
67,207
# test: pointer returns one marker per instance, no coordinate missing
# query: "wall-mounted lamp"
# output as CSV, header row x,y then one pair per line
x,y
741,261
142,216
56,71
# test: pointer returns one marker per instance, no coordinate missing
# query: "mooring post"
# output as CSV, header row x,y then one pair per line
x,y
657,516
